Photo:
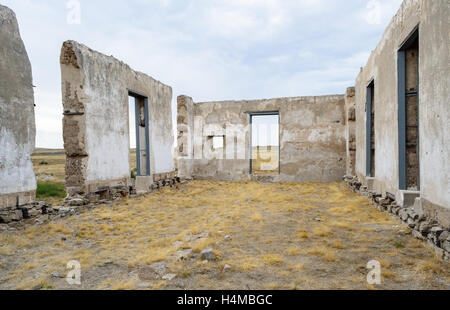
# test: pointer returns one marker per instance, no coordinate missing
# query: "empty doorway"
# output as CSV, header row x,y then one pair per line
x,y
408,89
139,135
265,143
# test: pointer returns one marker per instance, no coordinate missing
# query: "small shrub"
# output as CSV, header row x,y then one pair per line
x,y
398,244
48,189
42,163
186,274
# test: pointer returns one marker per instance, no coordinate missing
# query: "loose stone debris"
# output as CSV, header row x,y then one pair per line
x,y
422,228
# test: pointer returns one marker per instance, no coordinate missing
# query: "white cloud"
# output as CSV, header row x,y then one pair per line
x,y
207,49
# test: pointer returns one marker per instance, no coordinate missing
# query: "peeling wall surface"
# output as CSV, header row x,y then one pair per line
x,y
95,90
431,18
312,138
17,124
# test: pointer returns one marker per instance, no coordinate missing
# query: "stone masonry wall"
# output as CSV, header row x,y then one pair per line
x,y
312,137
431,18
95,91
350,135
17,123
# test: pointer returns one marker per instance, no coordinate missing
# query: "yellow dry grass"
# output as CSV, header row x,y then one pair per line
x,y
275,239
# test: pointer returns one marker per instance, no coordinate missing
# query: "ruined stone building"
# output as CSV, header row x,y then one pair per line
x,y
402,102
390,131
17,125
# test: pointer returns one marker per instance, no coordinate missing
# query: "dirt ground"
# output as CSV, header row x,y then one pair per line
x,y
271,236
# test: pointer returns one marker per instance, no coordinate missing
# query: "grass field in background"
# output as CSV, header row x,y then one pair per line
x,y
265,160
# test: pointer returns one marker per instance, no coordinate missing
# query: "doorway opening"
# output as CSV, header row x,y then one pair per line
x,y
265,143
139,135
370,130
408,89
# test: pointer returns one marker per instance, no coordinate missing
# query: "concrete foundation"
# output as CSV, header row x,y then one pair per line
x,y
17,124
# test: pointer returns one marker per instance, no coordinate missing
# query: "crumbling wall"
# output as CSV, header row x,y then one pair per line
x,y
312,138
350,134
17,124
95,90
434,114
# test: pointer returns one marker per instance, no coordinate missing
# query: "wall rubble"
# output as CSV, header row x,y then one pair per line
x,y
422,227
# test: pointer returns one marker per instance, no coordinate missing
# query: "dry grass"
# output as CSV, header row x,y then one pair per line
x,y
276,243
273,259
324,252
265,160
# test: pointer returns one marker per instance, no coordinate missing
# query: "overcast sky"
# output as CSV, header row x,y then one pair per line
x,y
207,49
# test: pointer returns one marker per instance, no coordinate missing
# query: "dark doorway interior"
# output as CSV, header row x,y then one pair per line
x,y
409,114
370,129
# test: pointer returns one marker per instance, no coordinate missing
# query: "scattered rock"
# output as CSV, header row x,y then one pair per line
x,y
424,228
418,235
153,272
184,254
411,223
445,235
76,202
169,277
178,243
160,267
446,245
437,230
208,255
226,268
318,219
228,238
62,209
189,238
403,215
56,274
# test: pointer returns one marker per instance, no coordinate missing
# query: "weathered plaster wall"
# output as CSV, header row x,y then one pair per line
x,y
17,124
312,137
434,106
96,130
